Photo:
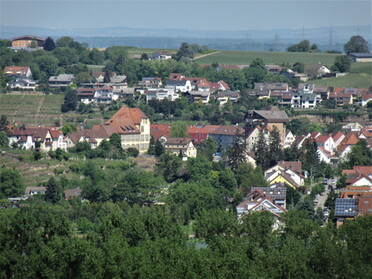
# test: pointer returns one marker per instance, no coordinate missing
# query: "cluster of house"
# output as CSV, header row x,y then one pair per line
x,y
273,197
197,89
131,124
309,95
356,198
335,147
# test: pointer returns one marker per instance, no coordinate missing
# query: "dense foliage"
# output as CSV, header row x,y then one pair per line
x,y
118,241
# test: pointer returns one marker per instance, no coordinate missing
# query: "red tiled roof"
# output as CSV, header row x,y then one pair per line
x,y
321,139
159,130
13,70
351,138
337,135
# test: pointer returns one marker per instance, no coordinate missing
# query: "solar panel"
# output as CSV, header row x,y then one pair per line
x,y
346,207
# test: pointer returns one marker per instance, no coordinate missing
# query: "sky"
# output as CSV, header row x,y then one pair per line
x,y
215,15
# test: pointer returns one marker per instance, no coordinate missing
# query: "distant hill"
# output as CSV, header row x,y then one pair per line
x,y
258,40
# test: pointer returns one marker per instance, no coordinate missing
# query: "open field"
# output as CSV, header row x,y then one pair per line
x,y
149,51
360,77
246,57
34,110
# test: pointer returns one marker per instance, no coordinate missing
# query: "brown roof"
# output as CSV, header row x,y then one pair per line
x,y
126,120
178,141
321,139
365,204
351,138
28,38
337,135
211,128
293,165
71,193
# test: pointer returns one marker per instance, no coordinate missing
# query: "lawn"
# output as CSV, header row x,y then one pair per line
x,y
360,76
246,57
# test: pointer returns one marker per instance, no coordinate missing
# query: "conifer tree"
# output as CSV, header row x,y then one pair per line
x,y
275,152
238,152
261,151
151,150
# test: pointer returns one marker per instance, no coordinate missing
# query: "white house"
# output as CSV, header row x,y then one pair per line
x,y
327,142
161,94
324,155
289,139
179,85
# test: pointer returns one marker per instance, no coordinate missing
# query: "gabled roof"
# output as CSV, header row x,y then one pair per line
x,y
322,138
351,138
28,38
296,166
14,70
159,130
325,152
98,74
273,116
178,141
337,135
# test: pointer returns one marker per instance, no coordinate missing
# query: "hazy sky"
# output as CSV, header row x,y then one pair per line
x,y
185,14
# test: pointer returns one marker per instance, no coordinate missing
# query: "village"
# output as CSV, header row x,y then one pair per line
x,y
209,141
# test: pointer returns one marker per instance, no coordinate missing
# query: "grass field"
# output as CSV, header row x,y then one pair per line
x,y
34,110
149,51
246,57
360,77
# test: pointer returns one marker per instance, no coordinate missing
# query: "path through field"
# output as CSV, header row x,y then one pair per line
x,y
204,55
19,105
39,108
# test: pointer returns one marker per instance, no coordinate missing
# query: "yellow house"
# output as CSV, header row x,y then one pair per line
x,y
282,177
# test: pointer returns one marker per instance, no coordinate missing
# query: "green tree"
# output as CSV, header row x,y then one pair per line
x,y
53,192
159,148
3,123
257,63
151,150
342,63
70,101
303,46
238,152
64,41
168,165
298,67
115,140
360,155
179,130
207,148
83,77
4,141
274,148
356,44
11,183
49,44
261,151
